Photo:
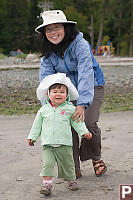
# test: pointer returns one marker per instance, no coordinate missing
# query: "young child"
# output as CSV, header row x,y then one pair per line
x,y
53,123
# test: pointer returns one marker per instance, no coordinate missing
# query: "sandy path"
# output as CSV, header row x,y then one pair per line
x,y
20,164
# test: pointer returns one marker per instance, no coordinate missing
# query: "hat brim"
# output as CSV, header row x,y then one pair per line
x,y
42,90
40,28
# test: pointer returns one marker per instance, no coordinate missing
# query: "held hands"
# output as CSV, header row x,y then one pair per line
x,y
79,114
88,135
30,142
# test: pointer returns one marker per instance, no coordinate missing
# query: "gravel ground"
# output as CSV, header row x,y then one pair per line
x,y
117,78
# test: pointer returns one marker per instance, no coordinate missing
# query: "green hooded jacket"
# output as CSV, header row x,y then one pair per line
x,y
54,125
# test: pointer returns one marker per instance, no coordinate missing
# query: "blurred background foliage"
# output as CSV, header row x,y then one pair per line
x,y
99,20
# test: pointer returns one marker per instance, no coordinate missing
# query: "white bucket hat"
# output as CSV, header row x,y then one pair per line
x,y
53,17
61,78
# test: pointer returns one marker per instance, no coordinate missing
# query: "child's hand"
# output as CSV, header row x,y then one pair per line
x,y
30,142
88,135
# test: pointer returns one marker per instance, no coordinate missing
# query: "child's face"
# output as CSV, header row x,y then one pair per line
x,y
58,95
55,33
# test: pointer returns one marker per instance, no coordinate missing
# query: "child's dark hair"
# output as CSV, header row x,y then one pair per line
x,y
57,85
48,47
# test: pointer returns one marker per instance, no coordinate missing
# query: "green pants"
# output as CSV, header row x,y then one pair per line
x,y
63,156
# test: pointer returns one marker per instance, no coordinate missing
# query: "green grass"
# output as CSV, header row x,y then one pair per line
x,y
24,101
117,102
2,56
21,56
19,102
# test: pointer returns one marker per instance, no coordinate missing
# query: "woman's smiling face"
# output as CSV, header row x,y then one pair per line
x,y
55,33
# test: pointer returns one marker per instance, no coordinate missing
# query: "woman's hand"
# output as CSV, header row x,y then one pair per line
x,y
79,114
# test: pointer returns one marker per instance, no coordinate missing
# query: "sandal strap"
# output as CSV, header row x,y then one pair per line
x,y
100,164
71,183
47,187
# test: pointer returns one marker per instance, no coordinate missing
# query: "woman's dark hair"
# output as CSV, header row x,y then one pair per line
x,y
48,47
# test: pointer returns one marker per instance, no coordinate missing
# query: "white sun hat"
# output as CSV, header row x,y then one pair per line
x,y
61,78
53,17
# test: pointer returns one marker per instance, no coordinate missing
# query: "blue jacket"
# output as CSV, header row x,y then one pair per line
x,y
79,65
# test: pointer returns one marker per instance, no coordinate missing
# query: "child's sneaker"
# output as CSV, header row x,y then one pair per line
x,y
72,185
46,189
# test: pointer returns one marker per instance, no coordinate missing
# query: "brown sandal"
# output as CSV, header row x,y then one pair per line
x,y
97,165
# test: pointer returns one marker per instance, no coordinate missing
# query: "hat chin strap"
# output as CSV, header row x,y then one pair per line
x,y
49,95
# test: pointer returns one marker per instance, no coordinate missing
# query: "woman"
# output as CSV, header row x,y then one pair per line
x,y
65,50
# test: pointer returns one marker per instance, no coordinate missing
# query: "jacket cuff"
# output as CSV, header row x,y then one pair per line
x,y
85,105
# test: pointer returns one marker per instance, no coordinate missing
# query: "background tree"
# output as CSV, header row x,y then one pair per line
x,y
97,19
86,7
16,28
3,22
33,22
102,11
74,15
131,31
18,21
62,4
